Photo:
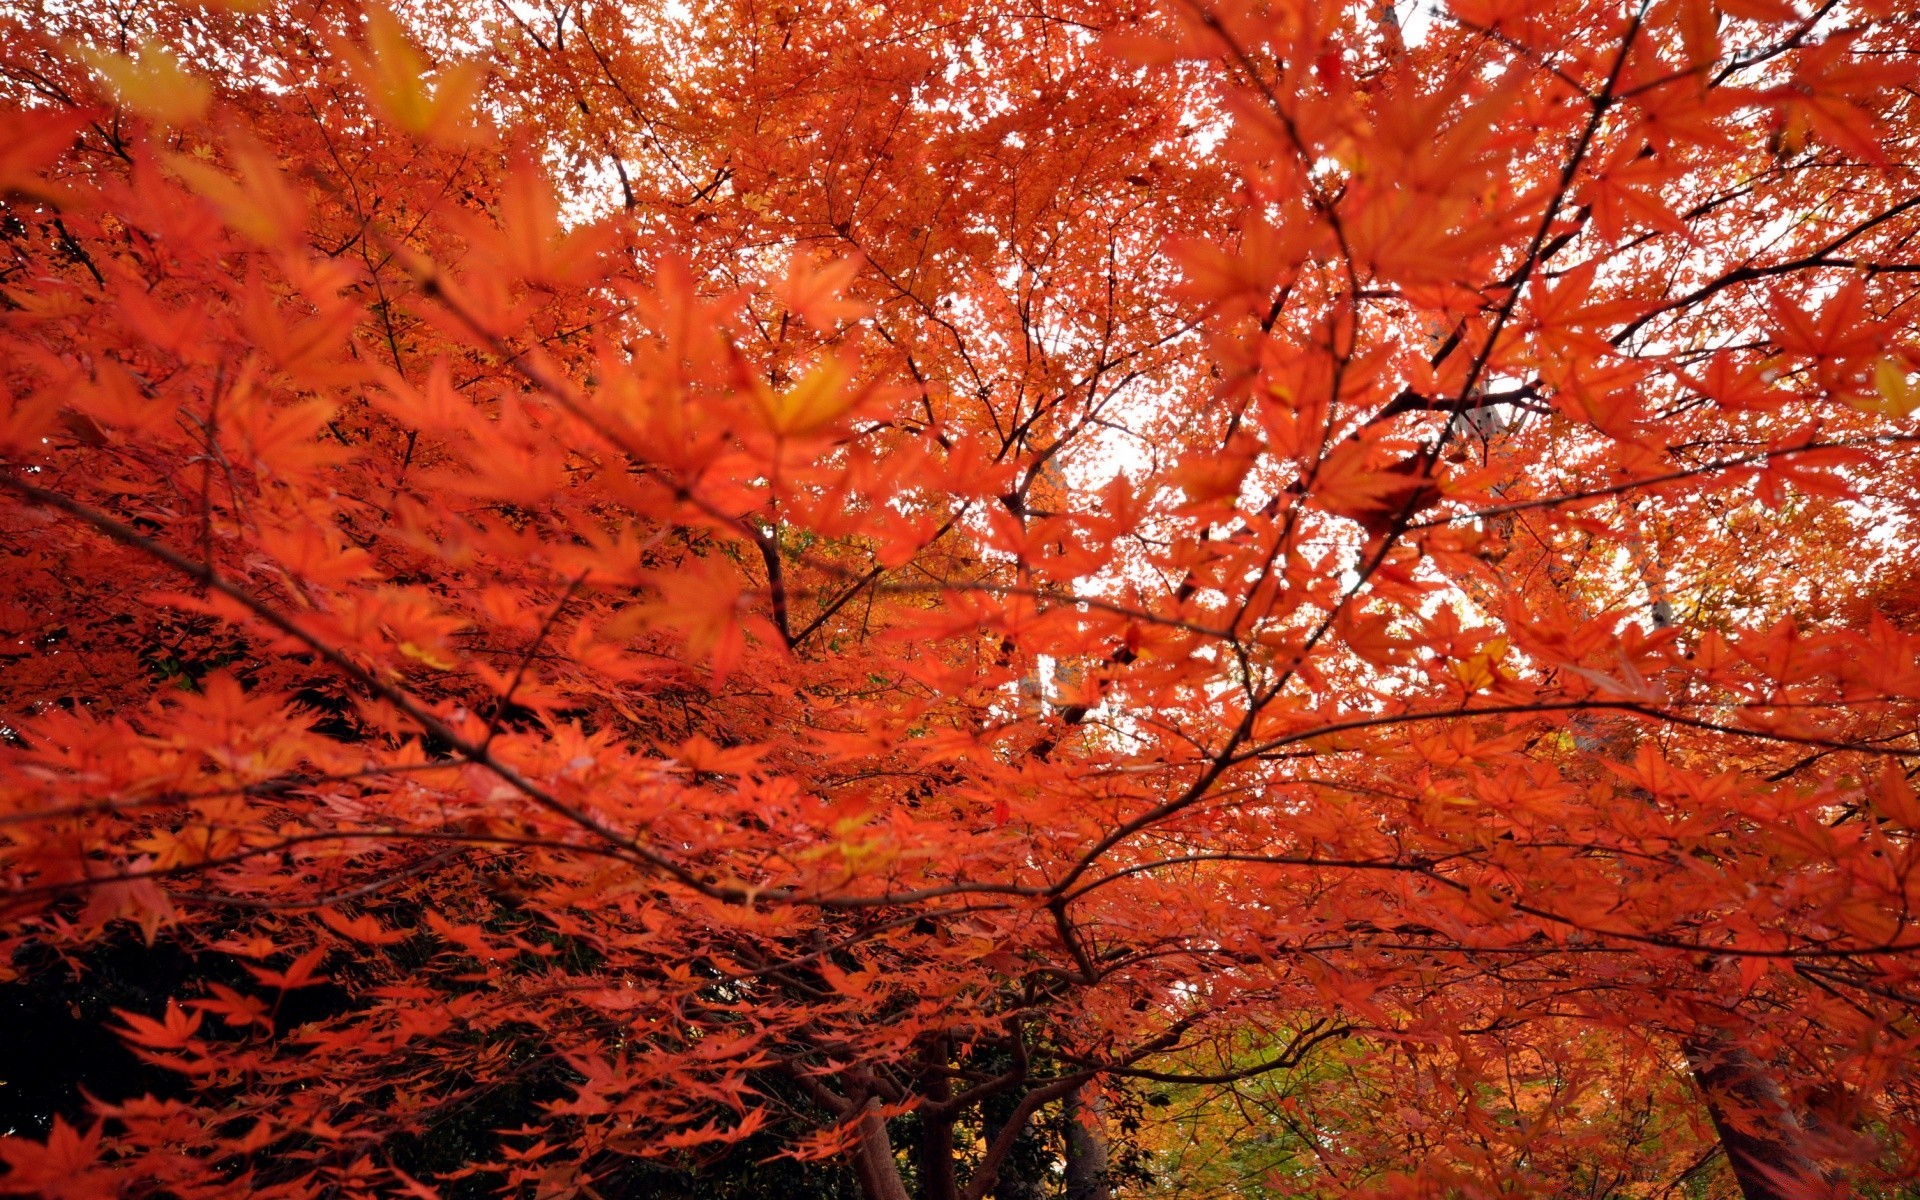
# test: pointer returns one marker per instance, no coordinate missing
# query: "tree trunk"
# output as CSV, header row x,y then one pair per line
x,y
873,1159
1086,1136
1759,1133
935,1158
1011,1180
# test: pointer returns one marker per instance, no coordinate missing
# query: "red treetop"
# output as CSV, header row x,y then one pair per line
x,y
749,571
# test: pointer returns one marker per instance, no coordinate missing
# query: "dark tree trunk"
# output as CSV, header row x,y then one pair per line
x,y
935,1153
1086,1138
1014,1179
1762,1138
873,1159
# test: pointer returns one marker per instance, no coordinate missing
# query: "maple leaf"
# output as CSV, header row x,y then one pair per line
x,y
1348,484
819,400
812,291
705,602
65,1167
734,525
394,76
298,974
235,1009
1896,392
173,1032
30,142
153,83
259,203
1836,331
1213,478
363,928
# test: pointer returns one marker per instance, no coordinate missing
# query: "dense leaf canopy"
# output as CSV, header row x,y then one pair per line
x,y
627,586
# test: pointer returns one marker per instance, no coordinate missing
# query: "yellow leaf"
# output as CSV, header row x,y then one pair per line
x,y
817,401
154,85
394,76
259,204
1899,396
430,657
1482,670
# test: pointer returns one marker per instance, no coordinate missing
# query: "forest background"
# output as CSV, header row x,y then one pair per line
x,y
952,598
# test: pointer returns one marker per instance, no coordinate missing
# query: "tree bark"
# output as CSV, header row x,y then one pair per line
x,y
1086,1137
873,1159
935,1152
1759,1133
988,1173
1010,1181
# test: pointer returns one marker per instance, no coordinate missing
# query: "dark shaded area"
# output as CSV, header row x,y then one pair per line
x,y
56,1051
740,1176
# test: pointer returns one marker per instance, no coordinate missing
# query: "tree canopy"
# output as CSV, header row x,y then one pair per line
x,y
897,590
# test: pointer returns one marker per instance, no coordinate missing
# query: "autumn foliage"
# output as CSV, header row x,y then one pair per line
x,y
840,581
